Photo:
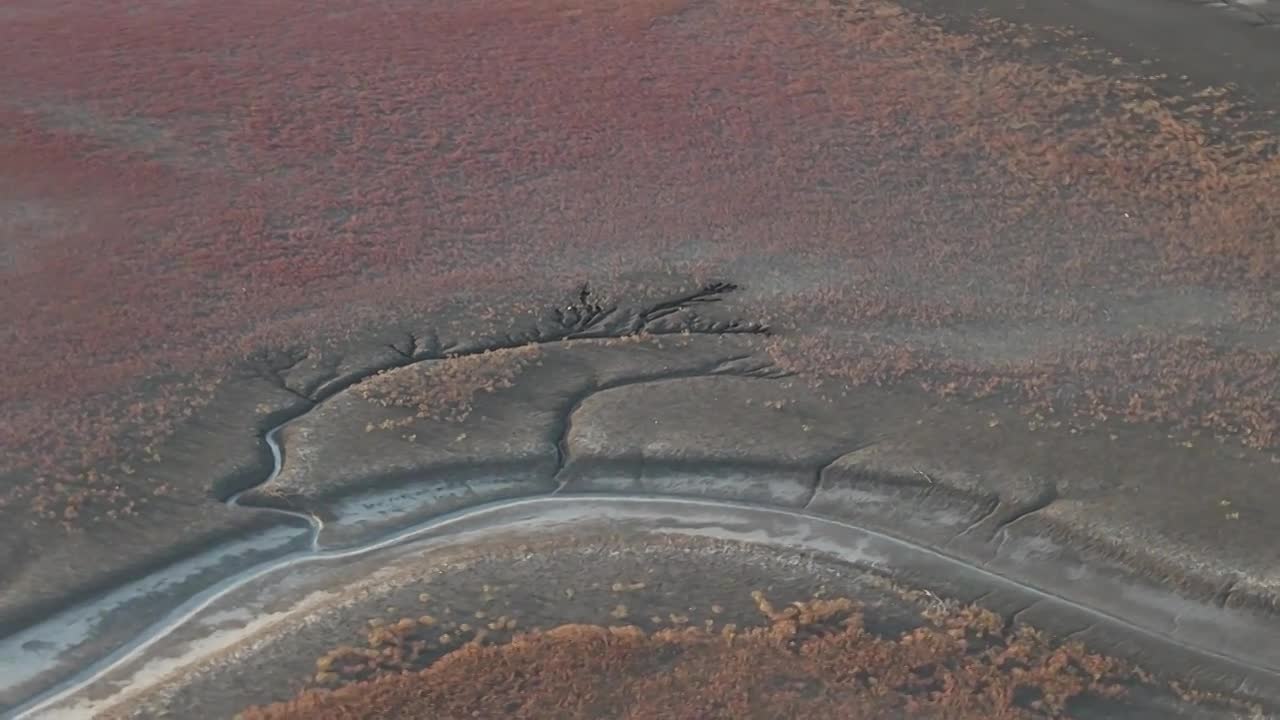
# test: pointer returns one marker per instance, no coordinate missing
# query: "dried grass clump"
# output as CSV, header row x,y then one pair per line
x,y
808,659
445,389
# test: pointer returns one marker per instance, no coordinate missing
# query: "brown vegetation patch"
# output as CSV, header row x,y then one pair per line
x,y
808,659
445,389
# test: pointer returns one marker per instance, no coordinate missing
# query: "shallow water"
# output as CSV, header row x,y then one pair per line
x,y
216,621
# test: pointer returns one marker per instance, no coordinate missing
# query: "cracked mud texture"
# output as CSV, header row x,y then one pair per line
x,y
1080,228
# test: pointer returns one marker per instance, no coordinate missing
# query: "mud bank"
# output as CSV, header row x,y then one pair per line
x,y
1041,531
235,629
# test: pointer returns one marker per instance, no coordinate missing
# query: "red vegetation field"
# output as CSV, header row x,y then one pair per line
x,y
184,182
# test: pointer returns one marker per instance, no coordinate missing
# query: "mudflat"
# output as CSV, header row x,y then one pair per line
x,y
999,280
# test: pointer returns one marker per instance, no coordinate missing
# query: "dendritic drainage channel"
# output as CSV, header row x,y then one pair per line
x,y
586,317
826,483
51,652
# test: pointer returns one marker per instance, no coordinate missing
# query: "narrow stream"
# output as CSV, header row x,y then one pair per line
x,y
79,623
277,462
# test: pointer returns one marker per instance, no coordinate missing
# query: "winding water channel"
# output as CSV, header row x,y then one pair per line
x,y
29,655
